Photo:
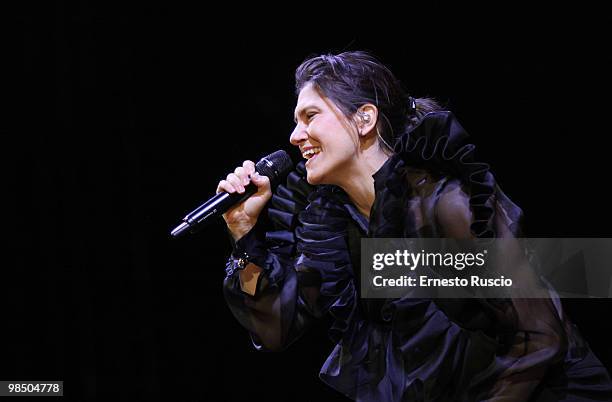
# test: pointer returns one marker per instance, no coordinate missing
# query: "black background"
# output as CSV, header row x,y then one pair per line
x,y
122,119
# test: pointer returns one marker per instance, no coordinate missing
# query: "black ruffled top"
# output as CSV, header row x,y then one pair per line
x,y
408,349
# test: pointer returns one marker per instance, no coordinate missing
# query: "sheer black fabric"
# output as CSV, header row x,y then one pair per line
x,y
410,349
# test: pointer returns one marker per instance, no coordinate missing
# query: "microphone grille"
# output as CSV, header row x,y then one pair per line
x,y
276,166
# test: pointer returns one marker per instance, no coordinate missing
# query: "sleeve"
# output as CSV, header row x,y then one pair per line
x,y
284,301
529,330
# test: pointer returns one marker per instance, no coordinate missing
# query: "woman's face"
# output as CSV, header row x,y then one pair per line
x,y
325,137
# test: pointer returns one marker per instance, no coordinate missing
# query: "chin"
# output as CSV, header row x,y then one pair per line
x,y
313,178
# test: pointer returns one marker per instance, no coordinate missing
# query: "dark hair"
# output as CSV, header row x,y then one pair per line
x,y
352,79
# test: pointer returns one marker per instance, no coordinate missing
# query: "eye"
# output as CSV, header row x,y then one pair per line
x,y
310,115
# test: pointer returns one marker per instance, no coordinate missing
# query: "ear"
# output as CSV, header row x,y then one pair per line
x,y
367,117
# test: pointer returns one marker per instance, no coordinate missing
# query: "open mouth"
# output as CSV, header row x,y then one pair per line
x,y
311,154
311,158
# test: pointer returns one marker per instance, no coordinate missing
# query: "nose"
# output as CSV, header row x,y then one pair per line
x,y
298,135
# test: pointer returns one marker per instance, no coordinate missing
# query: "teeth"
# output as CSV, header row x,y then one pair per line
x,y
308,154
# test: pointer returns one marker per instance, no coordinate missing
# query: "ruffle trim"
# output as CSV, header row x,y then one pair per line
x,y
440,144
322,247
311,223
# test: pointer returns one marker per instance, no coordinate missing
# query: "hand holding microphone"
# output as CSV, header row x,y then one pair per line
x,y
241,196
242,217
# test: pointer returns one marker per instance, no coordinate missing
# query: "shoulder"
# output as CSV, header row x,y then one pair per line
x,y
452,185
468,210
452,209
442,198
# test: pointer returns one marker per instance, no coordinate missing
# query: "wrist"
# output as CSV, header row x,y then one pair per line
x,y
248,249
239,230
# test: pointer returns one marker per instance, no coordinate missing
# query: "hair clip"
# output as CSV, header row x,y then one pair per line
x,y
412,108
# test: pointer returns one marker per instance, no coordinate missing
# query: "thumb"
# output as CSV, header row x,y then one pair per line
x,y
260,180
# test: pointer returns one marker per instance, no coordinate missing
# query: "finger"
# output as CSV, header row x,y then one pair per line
x,y
242,175
236,182
249,166
260,180
225,186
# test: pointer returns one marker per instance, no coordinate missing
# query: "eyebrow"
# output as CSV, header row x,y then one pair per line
x,y
301,110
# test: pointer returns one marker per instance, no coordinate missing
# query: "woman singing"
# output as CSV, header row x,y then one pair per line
x,y
380,163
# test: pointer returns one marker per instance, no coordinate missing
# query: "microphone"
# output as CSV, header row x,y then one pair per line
x,y
275,166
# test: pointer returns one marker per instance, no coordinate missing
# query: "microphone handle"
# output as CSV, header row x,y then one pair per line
x,y
219,204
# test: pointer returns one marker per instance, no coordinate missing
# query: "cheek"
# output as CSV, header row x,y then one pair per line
x,y
339,153
345,144
335,136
